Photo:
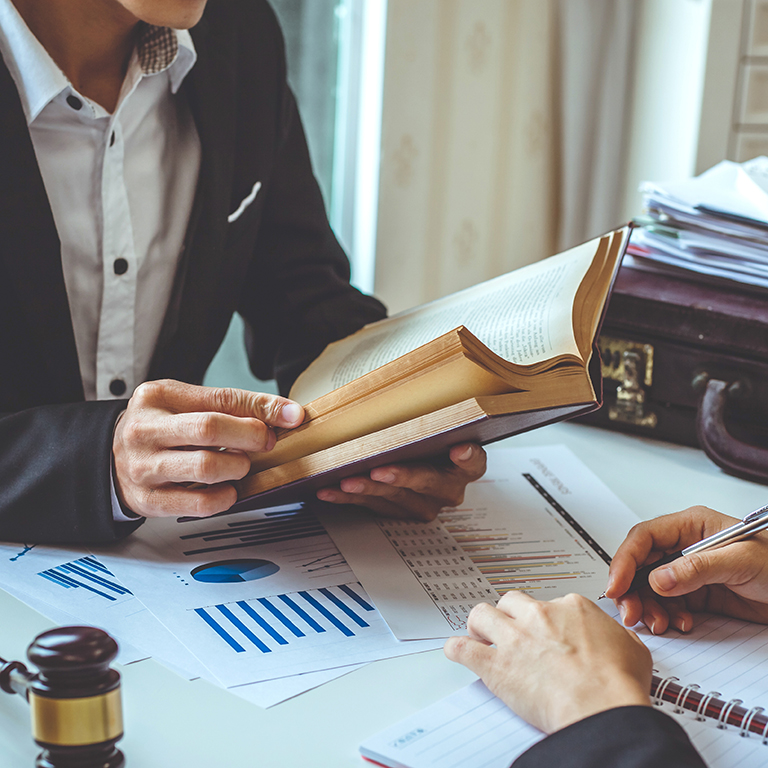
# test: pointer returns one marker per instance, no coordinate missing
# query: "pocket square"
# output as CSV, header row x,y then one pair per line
x,y
245,203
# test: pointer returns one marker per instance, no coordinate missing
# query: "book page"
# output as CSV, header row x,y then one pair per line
x,y
524,317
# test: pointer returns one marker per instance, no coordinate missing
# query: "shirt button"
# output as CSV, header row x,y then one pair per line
x,y
120,266
74,102
112,139
117,387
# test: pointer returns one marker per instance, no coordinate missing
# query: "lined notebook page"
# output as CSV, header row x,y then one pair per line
x,y
724,655
468,729
473,729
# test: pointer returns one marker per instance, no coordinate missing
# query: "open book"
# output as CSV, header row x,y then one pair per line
x,y
500,358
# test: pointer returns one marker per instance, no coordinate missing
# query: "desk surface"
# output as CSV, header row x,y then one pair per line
x,y
172,722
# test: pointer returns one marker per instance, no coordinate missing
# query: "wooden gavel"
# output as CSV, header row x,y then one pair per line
x,y
74,698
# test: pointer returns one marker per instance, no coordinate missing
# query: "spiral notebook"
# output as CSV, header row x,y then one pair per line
x,y
712,681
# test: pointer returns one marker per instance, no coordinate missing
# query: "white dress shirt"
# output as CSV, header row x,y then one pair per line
x,y
121,188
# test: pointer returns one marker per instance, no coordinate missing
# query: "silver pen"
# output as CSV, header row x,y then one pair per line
x,y
753,523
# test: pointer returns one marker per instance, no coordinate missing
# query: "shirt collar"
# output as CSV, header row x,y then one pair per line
x,y
39,79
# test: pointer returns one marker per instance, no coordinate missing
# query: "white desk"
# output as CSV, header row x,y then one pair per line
x,y
171,722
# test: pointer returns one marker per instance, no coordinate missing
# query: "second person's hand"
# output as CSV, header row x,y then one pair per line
x,y
730,580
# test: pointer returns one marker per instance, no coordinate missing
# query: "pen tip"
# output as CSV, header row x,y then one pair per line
x,y
601,596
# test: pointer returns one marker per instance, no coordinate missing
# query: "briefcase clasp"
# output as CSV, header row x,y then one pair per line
x,y
632,364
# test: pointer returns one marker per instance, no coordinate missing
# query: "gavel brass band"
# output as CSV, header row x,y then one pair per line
x,y
74,722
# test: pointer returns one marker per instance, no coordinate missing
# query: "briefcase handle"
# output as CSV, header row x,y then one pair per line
x,y
735,457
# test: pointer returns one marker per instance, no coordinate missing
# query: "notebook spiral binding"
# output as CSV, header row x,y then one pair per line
x,y
708,706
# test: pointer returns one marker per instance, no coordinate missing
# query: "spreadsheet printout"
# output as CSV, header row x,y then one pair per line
x,y
539,521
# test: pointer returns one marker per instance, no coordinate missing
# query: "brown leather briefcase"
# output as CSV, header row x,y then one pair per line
x,y
687,361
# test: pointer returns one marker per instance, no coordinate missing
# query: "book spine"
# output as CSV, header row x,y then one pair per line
x,y
709,706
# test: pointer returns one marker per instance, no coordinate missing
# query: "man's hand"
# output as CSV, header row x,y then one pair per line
x,y
177,447
412,491
554,662
731,580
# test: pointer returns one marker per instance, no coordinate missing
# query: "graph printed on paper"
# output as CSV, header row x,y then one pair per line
x,y
450,578
88,574
530,543
309,549
274,623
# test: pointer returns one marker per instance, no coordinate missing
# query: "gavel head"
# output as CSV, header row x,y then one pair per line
x,y
75,699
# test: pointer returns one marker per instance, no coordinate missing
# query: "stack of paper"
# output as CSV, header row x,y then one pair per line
x,y
715,225
260,602
270,603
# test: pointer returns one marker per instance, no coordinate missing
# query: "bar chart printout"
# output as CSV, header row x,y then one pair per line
x,y
89,574
256,595
269,624
528,524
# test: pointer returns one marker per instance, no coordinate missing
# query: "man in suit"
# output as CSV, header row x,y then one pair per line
x,y
575,673
154,179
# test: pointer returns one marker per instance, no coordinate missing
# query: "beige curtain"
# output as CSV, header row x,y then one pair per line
x,y
595,46
502,137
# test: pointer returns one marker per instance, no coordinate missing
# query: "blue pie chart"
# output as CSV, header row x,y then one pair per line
x,y
234,571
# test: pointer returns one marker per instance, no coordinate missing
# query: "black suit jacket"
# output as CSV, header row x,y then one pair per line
x,y
278,265
626,737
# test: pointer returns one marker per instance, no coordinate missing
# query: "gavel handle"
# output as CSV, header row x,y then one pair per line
x,y
15,678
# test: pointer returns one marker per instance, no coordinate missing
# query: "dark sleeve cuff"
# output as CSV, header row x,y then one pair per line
x,y
625,737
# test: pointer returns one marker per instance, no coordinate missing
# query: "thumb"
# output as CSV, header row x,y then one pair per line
x,y
687,574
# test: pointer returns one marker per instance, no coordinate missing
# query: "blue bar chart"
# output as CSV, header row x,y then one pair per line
x,y
269,624
89,574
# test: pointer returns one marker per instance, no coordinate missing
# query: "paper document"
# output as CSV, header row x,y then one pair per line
x,y
417,575
75,582
538,521
714,225
72,587
256,595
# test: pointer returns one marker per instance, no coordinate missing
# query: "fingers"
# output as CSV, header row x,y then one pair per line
x,y
468,463
175,500
178,397
412,491
729,565
209,467
201,429
384,500
470,459
649,540
487,624
174,434
476,656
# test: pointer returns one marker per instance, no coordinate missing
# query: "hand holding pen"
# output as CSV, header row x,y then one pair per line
x,y
727,575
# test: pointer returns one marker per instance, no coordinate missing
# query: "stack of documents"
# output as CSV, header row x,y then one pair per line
x,y
715,225
269,603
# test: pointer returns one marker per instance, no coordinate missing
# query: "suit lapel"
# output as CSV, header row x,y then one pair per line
x,y
195,304
30,252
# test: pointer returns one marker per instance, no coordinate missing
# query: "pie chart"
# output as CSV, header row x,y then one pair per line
x,y
234,571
